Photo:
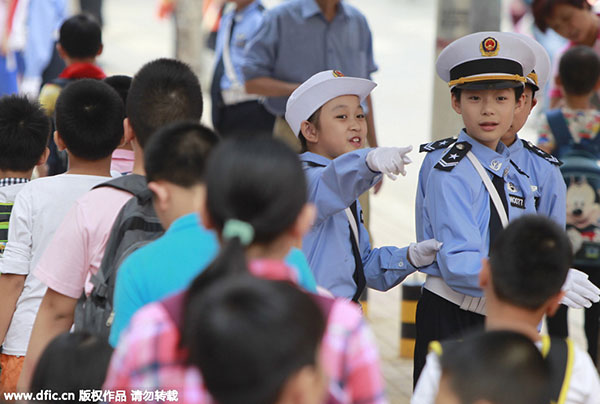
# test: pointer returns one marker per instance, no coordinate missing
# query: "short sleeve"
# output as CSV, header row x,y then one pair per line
x,y
545,138
65,269
17,254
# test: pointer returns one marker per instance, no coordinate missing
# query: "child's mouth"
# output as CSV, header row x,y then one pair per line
x,y
488,126
356,140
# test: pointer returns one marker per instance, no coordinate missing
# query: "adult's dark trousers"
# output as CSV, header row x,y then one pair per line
x,y
438,319
248,118
93,7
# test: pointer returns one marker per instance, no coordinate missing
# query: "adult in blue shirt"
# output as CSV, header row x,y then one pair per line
x,y
300,38
235,112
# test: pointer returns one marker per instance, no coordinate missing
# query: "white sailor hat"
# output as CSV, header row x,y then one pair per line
x,y
541,71
486,60
320,88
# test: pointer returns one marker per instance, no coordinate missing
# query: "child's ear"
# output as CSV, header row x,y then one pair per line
x,y
100,50
309,131
455,103
533,102
557,80
60,144
43,157
61,52
520,102
162,196
128,132
597,86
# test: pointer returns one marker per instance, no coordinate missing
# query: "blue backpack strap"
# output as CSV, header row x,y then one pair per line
x,y
560,130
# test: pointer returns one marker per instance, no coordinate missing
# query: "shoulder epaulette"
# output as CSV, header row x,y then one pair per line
x,y
453,156
540,153
438,144
518,169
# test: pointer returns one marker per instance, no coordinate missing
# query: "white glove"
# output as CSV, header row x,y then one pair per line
x,y
580,292
389,160
30,87
423,253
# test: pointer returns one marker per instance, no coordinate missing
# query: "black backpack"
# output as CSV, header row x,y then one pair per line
x,y
135,226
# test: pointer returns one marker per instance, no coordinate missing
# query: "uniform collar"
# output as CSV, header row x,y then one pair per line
x,y
314,158
496,162
310,8
516,147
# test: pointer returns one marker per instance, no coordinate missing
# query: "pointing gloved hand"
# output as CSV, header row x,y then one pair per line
x,y
423,253
580,292
389,160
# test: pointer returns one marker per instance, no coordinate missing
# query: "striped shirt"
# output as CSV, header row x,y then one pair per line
x,y
8,193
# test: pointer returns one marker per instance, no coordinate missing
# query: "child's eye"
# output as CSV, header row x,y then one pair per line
x,y
342,116
502,98
474,97
360,116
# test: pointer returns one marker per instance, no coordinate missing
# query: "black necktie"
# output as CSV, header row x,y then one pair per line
x,y
359,272
495,222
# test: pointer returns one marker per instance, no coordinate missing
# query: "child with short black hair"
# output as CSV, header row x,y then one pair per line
x,y
89,116
522,280
256,200
75,364
272,330
24,133
79,44
497,367
576,124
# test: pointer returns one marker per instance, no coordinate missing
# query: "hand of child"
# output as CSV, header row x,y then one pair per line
x,y
423,253
579,291
389,160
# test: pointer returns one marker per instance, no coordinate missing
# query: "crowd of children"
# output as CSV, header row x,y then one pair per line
x,y
230,270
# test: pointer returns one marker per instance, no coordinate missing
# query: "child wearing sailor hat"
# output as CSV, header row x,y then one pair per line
x,y
473,189
325,112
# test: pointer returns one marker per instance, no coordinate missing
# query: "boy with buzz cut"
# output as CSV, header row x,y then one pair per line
x,y
326,113
89,117
24,132
163,91
497,367
174,161
474,189
522,279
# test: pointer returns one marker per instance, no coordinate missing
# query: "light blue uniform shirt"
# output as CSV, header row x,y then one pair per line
x,y
549,187
247,23
333,185
169,264
44,17
456,211
296,41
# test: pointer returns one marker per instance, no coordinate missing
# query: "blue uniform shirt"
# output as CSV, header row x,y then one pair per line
x,y
247,23
296,41
456,211
547,183
333,185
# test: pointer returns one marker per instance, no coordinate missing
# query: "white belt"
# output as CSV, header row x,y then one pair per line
x,y
436,285
235,95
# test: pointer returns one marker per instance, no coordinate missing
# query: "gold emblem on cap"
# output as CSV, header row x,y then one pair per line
x,y
337,73
533,76
489,47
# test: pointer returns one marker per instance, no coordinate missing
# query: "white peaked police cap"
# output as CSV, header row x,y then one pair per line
x,y
486,60
318,90
541,71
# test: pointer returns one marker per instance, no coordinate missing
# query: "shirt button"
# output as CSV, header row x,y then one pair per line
x,y
400,264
